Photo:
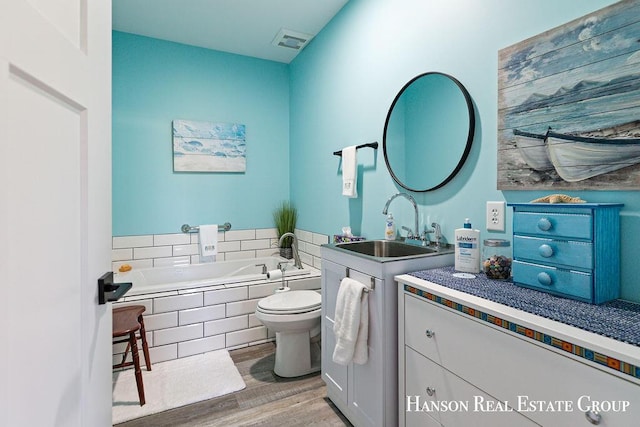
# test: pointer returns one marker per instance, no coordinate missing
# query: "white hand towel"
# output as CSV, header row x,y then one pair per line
x,y
351,323
208,236
349,172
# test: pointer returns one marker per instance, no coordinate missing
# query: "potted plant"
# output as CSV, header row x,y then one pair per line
x,y
285,217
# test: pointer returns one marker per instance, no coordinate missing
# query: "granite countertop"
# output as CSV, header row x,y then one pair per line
x,y
617,319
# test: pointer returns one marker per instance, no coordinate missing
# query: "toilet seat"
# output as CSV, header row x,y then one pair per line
x,y
292,302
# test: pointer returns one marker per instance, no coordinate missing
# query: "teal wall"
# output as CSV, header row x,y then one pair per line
x,y
335,93
155,82
344,81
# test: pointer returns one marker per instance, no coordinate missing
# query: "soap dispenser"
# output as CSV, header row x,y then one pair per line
x,y
390,228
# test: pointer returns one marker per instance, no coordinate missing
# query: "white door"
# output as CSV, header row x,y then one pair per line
x,y
55,216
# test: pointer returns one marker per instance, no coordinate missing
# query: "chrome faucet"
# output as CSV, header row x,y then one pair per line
x,y
438,233
416,230
294,247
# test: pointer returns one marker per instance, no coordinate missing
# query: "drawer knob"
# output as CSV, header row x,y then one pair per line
x,y
544,224
545,251
544,279
593,417
431,391
429,333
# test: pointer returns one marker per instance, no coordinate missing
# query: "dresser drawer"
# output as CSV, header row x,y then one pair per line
x,y
557,252
572,226
434,392
575,284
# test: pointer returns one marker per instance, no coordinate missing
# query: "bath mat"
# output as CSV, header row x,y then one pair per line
x,y
175,383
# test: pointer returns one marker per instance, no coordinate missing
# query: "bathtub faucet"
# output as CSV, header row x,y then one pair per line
x,y
294,248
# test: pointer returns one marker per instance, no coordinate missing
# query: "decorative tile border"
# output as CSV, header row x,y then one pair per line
x,y
585,353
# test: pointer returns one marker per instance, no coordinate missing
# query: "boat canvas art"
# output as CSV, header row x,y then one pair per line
x,y
208,147
569,105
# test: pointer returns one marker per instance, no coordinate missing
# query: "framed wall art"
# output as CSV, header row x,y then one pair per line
x,y
208,147
569,105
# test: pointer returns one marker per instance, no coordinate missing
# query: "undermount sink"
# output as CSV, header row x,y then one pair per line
x,y
390,249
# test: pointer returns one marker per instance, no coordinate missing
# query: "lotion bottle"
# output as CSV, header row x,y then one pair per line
x,y
390,228
467,250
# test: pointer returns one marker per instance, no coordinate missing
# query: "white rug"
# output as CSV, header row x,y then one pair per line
x,y
175,383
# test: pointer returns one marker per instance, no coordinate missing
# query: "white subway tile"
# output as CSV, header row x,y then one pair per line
x,y
317,263
320,239
311,283
303,235
306,258
152,252
240,235
201,314
182,250
171,239
181,333
121,254
254,244
132,241
242,307
163,353
229,324
146,302
313,250
253,321
263,290
200,289
178,302
228,246
202,345
161,321
266,233
246,336
225,295
267,252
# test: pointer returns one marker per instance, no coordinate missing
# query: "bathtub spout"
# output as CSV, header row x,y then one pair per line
x,y
294,247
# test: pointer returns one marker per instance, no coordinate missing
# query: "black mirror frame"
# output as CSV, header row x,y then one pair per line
x,y
465,154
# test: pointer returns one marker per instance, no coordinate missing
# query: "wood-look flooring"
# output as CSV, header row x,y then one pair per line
x,y
268,400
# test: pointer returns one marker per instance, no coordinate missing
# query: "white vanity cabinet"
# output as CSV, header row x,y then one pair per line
x,y
510,367
367,394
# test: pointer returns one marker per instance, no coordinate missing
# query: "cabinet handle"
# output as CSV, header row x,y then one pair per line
x,y
429,333
544,224
545,279
545,251
431,391
593,417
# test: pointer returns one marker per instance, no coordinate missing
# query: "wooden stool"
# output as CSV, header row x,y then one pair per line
x,y
126,322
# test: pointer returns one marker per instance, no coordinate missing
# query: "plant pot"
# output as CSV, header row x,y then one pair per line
x,y
286,253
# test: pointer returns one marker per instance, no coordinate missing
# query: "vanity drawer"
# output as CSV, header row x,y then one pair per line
x,y
425,321
572,226
558,252
575,284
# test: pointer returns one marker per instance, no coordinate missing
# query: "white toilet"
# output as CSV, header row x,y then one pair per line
x,y
295,318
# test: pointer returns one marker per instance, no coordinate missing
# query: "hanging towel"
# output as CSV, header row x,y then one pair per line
x,y
351,323
208,236
349,172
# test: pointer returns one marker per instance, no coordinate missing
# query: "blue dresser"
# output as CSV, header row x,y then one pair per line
x,y
571,250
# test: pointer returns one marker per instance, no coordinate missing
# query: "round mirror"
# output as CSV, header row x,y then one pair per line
x,y
428,132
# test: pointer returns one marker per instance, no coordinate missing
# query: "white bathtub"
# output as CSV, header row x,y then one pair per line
x,y
161,279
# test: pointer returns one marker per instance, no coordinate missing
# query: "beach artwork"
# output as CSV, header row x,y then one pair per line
x,y
569,105
208,147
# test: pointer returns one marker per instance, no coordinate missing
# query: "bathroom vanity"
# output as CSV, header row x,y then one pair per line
x,y
468,360
367,394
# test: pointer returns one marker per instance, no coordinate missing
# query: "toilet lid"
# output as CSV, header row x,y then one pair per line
x,y
292,301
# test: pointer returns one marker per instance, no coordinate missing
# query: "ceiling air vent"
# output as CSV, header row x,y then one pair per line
x,y
291,39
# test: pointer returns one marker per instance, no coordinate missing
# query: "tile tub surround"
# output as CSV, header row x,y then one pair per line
x,y
161,250
192,321
187,322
